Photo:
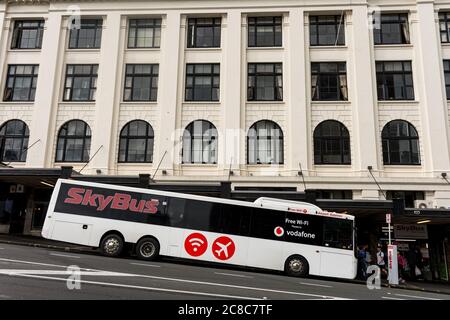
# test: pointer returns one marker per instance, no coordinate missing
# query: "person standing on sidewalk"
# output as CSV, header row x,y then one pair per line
x,y
380,260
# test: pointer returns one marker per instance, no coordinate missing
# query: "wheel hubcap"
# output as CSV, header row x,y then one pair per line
x,y
147,249
296,265
112,245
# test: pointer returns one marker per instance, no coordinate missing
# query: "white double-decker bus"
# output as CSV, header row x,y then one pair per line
x,y
297,238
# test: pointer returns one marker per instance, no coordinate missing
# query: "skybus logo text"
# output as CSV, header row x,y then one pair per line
x,y
119,201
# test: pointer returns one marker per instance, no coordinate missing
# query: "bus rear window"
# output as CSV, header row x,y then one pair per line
x,y
338,233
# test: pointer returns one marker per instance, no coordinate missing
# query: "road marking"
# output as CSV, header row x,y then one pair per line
x,y
145,265
233,275
40,264
315,285
391,298
64,255
419,297
3,296
2,248
145,288
201,282
13,272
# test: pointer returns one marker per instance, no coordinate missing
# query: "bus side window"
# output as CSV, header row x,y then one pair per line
x,y
175,211
264,222
235,220
202,215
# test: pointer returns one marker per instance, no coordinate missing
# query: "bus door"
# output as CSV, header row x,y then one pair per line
x,y
337,252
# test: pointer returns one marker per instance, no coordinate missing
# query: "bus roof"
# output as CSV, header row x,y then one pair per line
x,y
293,208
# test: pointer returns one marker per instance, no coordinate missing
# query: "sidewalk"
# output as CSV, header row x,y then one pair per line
x,y
43,243
55,245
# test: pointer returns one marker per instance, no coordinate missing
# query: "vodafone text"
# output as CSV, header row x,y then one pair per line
x,y
119,201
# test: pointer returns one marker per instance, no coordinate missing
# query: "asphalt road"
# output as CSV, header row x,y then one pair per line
x,y
36,273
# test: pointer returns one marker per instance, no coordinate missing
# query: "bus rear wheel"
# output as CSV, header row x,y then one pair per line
x,y
112,245
147,249
296,266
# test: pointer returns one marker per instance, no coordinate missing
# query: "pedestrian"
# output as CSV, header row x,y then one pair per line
x,y
380,260
362,264
411,259
401,266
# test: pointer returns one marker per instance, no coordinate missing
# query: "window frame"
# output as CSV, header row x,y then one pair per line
x,y
212,74
256,137
92,88
382,83
152,75
405,38
145,23
31,90
97,40
339,23
253,90
87,138
192,32
387,139
343,138
255,22
149,135
17,35
24,137
446,65
444,18
316,96
213,141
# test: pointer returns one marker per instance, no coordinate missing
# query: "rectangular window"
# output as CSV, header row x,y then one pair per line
x,y
27,34
444,26
87,36
141,82
264,31
202,82
204,32
21,82
265,82
81,82
395,80
409,196
334,194
447,77
329,81
393,28
327,30
144,33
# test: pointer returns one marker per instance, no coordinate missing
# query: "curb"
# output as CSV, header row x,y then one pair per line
x,y
83,250
46,246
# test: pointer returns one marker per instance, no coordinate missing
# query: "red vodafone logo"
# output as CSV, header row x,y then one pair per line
x,y
279,231
196,244
223,248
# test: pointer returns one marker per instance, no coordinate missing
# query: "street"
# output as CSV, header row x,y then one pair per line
x,y
36,273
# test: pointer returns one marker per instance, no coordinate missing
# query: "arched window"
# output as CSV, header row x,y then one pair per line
x,y
200,143
74,142
265,143
400,144
14,136
331,143
136,142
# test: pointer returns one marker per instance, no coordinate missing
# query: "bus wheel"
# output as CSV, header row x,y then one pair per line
x,y
297,266
112,245
147,249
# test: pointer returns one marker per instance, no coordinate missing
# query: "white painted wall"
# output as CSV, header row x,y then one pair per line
x,y
363,115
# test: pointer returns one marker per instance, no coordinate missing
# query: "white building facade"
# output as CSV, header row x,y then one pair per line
x,y
283,87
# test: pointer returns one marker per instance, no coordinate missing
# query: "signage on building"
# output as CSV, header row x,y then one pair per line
x,y
410,231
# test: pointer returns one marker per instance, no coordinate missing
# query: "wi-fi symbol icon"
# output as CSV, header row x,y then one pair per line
x,y
196,243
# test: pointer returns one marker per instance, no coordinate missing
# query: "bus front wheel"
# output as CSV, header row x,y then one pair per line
x,y
112,245
296,266
147,249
